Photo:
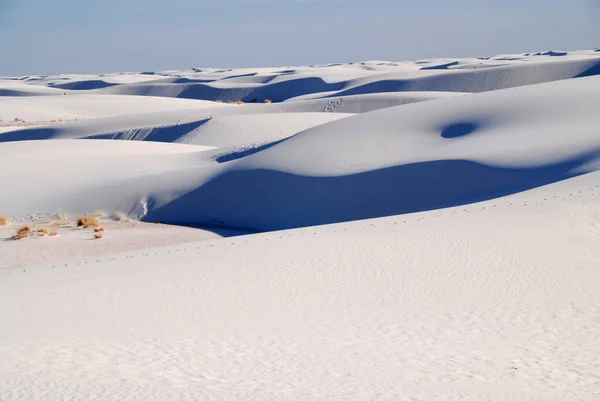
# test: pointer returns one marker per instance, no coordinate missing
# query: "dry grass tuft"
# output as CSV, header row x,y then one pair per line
x,y
54,233
43,232
98,229
268,101
239,101
98,235
88,221
3,220
218,101
23,232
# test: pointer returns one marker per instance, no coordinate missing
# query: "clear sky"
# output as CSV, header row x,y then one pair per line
x,y
68,36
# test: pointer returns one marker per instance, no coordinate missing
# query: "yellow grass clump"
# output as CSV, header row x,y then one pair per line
x,y
43,232
23,232
98,229
3,220
268,101
88,221
239,101
98,235
54,233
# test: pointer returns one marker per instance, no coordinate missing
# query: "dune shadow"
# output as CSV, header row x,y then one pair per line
x,y
276,92
269,200
235,155
170,133
595,70
252,74
551,53
217,228
84,85
30,134
175,80
20,93
459,129
441,66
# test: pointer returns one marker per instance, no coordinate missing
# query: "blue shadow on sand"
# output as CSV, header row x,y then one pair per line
x,y
459,129
269,200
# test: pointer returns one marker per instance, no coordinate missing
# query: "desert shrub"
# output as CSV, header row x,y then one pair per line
x,y
88,221
98,229
23,232
43,232
3,220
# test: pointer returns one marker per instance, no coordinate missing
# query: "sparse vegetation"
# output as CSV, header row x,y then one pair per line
x,y
218,101
23,232
43,232
88,221
268,101
98,229
3,220
239,101
98,235
53,233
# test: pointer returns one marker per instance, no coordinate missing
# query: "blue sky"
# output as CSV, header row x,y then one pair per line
x,y
68,36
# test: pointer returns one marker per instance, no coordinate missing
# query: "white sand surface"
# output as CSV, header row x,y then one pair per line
x,y
493,301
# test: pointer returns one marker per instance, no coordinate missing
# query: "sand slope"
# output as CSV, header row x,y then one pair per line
x,y
46,108
453,304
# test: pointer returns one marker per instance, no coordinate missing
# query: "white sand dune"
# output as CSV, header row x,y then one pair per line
x,y
436,154
46,108
346,82
278,84
20,88
492,301
207,127
440,230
